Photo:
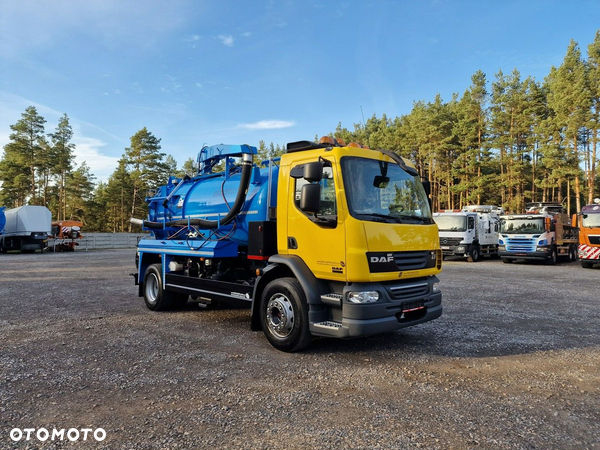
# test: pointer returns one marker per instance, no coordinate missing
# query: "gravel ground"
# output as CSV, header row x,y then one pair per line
x,y
512,364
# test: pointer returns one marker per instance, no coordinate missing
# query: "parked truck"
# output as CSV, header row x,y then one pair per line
x,y
329,240
26,229
2,219
471,232
588,222
544,232
65,234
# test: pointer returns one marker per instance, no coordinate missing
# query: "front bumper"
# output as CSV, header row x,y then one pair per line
x,y
456,250
401,305
525,255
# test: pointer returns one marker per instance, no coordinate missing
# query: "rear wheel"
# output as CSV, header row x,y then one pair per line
x,y
284,315
155,297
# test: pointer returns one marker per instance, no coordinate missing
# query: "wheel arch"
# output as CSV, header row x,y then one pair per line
x,y
145,261
286,266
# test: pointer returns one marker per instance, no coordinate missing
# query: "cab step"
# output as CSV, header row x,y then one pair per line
x,y
328,328
332,299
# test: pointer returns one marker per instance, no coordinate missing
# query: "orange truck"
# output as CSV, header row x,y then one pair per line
x,y
588,221
65,234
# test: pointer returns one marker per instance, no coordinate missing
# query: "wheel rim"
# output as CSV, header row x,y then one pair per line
x,y
280,316
151,288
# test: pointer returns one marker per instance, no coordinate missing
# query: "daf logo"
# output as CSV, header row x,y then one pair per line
x,y
382,259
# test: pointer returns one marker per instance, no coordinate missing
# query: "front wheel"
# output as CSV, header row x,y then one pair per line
x,y
474,254
553,257
155,297
284,315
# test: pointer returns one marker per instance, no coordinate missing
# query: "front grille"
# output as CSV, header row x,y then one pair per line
x,y
594,240
413,260
408,291
520,245
450,241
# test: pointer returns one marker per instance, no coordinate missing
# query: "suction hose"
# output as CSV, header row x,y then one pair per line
x,y
212,224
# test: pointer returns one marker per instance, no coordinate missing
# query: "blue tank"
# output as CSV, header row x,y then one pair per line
x,y
185,204
2,219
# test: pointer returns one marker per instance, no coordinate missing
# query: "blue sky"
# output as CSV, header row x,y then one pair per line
x,y
218,71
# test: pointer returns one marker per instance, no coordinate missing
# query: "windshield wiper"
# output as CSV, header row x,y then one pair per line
x,y
380,216
415,217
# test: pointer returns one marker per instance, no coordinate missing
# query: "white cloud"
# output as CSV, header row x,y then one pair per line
x,y
226,40
247,34
88,149
267,125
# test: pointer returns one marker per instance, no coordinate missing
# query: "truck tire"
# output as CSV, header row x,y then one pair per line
x,y
572,253
155,297
474,253
284,315
586,265
553,259
507,260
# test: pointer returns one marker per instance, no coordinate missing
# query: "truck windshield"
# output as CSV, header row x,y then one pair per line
x,y
379,191
451,223
522,225
590,220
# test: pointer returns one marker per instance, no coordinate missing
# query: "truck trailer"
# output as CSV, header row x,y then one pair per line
x,y
544,232
329,240
588,221
471,232
26,229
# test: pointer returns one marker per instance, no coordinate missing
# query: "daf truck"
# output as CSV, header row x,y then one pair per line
x,y
330,240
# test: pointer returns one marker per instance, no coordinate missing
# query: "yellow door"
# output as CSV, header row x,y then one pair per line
x,y
319,239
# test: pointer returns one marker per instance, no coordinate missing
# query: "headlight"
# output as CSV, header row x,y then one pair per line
x,y
502,248
542,242
460,249
363,297
435,288
542,249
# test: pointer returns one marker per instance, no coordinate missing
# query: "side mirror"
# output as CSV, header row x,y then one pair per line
x,y
313,172
310,198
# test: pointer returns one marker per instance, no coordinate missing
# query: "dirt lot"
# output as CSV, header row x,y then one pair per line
x,y
512,364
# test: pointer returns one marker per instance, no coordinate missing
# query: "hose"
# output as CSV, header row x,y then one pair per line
x,y
233,212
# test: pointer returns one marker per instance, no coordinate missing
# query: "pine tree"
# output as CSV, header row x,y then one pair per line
x,y
23,156
570,99
62,161
147,168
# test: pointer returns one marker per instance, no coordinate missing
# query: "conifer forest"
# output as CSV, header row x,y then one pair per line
x,y
506,140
